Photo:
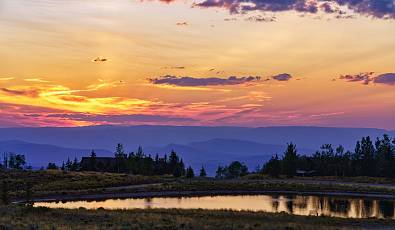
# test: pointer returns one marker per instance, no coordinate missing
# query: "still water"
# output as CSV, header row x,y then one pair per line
x,y
292,204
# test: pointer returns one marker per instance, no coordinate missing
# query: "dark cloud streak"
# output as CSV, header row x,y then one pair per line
x,y
211,81
27,93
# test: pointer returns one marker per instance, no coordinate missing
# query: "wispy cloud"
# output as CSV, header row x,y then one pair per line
x,y
21,92
39,80
6,78
78,100
121,119
174,67
327,114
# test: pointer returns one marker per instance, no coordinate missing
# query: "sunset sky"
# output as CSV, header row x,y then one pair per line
x,y
205,62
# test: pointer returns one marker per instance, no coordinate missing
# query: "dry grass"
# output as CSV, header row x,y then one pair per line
x,y
43,218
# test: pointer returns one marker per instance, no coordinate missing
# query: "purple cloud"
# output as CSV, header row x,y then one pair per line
x,y
387,78
376,8
282,77
211,81
366,78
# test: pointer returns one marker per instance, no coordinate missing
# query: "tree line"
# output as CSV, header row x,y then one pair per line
x,y
13,161
133,163
369,158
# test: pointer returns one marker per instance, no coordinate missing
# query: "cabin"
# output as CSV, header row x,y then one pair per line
x,y
305,173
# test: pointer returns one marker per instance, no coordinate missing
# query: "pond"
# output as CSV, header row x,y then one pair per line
x,y
292,204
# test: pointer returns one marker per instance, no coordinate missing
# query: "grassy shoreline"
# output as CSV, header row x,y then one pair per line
x,y
88,185
73,185
16,217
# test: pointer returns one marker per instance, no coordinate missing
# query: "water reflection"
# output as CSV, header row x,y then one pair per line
x,y
298,205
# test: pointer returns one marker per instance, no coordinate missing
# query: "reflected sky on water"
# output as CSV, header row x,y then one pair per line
x,y
297,205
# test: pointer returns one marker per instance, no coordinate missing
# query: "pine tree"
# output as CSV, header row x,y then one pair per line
x,y
92,161
273,167
75,165
120,156
5,160
236,169
202,172
386,156
367,159
190,174
68,164
220,173
289,160
52,166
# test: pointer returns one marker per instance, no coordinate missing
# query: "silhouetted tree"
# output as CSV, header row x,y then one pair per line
x,y
190,174
178,171
92,161
120,157
236,169
385,156
368,159
5,160
289,160
368,163
68,164
273,167
75,165
220,173
202,172
15,161
52,166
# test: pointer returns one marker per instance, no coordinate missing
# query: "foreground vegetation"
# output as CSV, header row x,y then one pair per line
x,y
47,182
63,185
14,217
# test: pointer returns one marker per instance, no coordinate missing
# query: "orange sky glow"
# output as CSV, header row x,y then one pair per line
x,y
252,63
